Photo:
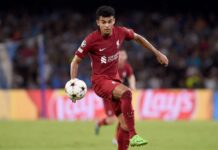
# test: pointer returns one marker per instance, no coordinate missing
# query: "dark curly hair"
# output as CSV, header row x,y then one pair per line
x,y
105,11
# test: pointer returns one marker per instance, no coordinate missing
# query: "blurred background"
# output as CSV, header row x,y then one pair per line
x,y
38,39
186,32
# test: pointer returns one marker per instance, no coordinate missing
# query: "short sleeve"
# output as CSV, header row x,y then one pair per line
x,y
84,47
129,33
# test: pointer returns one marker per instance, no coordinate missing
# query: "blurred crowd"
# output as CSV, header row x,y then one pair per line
x,y
189,41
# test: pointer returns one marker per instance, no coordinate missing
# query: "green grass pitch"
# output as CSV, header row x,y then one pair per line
x,y
53,135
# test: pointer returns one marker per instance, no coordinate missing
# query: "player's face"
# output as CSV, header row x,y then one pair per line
x,y
105,25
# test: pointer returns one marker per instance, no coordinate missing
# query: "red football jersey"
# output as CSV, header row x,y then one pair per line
x,y
125,71
104,51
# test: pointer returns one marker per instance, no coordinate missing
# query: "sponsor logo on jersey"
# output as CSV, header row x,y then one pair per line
x,y
111,58
103,59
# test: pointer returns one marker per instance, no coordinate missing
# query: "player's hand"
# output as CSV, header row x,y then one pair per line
x,y
73,100
162,59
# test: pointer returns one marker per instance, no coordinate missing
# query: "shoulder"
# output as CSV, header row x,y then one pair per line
x,y
126,32
119,28
92,37
122,28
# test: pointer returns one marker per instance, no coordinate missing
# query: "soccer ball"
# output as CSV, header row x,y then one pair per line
x,y
75,89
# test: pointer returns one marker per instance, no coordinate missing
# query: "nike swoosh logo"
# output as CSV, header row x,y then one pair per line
x,y
102,49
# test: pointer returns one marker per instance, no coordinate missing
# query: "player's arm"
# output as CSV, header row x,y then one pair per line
x,y
131,81
79,55
142,41
74,66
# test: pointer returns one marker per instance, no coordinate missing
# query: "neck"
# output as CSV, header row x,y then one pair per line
x,y
106,35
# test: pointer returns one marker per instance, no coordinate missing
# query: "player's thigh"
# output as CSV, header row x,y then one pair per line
x,y
122,122
119,90
104,88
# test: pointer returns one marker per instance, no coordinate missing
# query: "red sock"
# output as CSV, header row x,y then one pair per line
x,y
103,122
128,112
117,130
123,139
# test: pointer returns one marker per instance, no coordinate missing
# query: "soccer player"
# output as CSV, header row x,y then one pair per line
x,y
125,72
103,47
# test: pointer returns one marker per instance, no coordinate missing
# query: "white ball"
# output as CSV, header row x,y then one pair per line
x,y
75,89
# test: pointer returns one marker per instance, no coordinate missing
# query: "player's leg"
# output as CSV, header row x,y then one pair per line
x,y
123,93
114,89
114,140
122,130
123,134
117,129
109,119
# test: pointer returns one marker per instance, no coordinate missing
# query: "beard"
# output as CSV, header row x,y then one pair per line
x,y
107,33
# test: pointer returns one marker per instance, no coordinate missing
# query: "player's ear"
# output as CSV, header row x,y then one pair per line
x,y
114,20
97,22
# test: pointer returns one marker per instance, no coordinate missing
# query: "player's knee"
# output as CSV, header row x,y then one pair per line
x,y
127,95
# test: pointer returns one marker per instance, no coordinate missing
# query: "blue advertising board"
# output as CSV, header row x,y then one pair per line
x,y
215,113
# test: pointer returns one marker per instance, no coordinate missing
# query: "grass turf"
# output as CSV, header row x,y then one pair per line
x,y
53,135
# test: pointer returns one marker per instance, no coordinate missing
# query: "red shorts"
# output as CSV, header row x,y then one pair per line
x,y
112,107
104,88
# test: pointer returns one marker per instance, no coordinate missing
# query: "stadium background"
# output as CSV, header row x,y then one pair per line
x,y
39,38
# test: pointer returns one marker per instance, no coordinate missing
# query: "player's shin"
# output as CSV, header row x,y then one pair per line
x,y
128,112
123,139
